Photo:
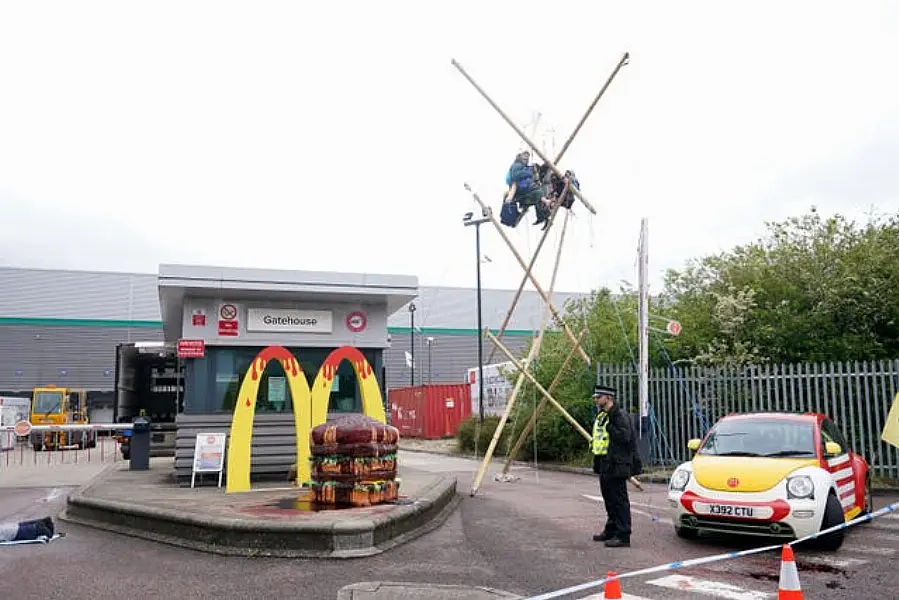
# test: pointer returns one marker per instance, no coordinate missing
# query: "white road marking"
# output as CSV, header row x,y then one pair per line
x,y
879,534
708,588
868,550
53,495
883,526
623,597
840,563
635,510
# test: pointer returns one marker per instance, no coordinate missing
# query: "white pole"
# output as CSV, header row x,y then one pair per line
x,y
643,323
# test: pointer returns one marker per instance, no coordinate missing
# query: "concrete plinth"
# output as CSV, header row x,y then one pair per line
x,y
268,521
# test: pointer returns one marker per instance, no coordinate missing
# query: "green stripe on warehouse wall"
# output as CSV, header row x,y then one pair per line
x,y
51,322
451,331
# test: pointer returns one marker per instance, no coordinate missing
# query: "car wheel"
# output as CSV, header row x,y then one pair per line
x,y
833,515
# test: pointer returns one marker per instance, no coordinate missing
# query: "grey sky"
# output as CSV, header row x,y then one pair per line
x,y
301,135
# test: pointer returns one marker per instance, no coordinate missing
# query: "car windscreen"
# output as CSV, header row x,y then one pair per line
x,y
786,438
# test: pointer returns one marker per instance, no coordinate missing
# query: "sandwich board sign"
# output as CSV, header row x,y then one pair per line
x,y
209,455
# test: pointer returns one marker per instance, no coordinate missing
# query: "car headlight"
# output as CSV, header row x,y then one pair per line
x,y
800,487
679,480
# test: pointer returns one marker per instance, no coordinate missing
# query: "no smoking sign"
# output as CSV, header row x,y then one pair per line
x,y
228,312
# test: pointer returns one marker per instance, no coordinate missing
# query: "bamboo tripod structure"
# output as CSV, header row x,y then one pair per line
x,y
528,273
559,157
550,308
523,370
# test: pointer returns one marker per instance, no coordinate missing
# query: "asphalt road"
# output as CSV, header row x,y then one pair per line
x,y
526,537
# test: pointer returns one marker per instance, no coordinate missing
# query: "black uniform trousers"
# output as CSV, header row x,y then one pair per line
x,y
618,507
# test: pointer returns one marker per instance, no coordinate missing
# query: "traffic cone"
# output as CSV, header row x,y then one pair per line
x,y
613,586
788,588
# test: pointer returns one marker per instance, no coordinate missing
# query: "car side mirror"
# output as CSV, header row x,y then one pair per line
x,y
694,444
832,449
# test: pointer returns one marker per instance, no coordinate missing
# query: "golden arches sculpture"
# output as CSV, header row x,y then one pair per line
x,y
310,406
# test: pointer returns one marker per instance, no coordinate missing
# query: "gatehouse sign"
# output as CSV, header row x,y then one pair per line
x,y
284,320
310,406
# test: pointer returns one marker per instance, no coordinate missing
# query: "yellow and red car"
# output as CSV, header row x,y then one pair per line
x,y
782,475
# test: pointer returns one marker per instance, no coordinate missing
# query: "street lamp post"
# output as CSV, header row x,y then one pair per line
x,y
468,221
412,342
430,342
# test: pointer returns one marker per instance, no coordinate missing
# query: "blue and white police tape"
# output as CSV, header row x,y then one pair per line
x,y
673,566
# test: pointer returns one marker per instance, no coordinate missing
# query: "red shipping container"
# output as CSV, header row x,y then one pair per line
x,y
430,411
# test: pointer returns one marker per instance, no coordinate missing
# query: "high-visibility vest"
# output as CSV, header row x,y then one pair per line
x,y
600,445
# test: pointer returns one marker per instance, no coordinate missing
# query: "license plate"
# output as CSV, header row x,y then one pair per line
x,y
734,511
729,510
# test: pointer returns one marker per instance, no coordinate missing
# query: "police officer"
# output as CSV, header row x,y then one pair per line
x,y
614,447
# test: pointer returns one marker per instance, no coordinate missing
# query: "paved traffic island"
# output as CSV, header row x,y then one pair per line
x,y
269,521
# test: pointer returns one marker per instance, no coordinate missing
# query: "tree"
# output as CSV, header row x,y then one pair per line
x,y
611,323
812,289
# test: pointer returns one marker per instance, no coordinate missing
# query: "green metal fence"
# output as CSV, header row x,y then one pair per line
x,y
686,401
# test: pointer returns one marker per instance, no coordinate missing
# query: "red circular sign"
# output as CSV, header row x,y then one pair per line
x,y
356,321
22,428
210,440
674,328
228,311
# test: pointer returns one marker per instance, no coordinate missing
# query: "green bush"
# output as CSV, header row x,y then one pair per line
x,y
557,439
469,428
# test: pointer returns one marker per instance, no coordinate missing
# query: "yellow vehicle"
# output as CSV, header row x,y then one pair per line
x,y
53,405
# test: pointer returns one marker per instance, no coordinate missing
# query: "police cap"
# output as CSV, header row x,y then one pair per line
x,y
603,390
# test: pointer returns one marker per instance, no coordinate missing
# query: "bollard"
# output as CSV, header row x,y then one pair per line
x,y
140,444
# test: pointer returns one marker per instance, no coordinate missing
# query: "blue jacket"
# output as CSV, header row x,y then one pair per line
x,y
521,174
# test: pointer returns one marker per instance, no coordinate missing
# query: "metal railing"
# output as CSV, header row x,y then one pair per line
x,y
686,401
101,445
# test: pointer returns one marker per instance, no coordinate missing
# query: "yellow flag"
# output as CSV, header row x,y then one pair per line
x,y
891,428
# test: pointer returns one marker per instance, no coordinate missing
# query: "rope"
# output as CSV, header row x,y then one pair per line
x,y
536,420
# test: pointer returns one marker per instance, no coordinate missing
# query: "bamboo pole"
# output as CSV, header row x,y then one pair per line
x,y
521,134
535,348
522,369
532,422
530,267
624,59
533,279
559,157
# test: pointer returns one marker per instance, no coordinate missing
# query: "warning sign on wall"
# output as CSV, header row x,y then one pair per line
x,y
227,320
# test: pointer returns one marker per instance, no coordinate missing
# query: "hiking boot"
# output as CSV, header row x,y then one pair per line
x,y
618,543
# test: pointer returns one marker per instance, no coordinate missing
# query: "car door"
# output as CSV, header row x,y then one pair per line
x,y
840,466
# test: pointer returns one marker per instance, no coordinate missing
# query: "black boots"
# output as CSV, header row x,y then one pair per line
x,y
611,541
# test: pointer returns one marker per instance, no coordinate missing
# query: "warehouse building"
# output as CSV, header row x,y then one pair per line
x,y
62,327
